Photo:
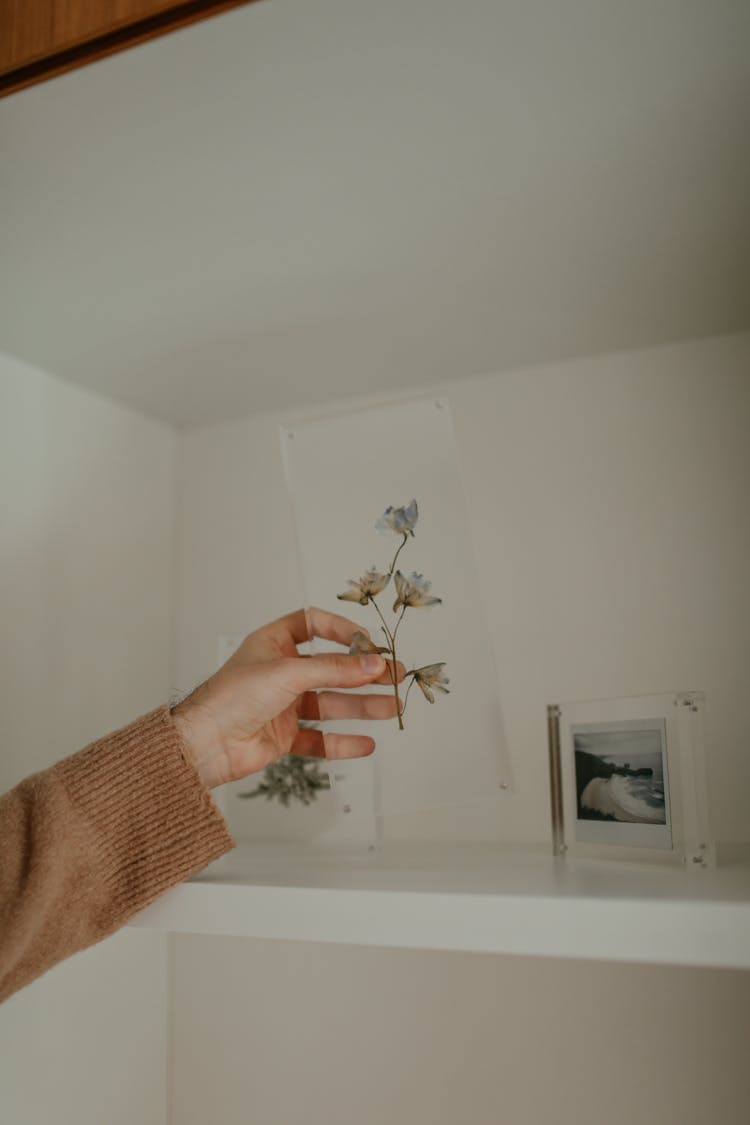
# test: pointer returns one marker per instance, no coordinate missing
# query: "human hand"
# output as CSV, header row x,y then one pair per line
x,y
246,715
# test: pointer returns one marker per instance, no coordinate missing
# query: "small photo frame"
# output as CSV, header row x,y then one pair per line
x,y
627,779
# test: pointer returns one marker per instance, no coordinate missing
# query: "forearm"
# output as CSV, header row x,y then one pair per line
x,y
90,842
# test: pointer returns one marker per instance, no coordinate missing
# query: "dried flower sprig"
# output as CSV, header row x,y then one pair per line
x,y
412,591
297,778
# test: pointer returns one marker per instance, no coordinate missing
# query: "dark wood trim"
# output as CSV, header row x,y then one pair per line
x,y
119,39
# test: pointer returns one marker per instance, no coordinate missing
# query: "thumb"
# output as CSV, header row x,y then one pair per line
x,y
329,670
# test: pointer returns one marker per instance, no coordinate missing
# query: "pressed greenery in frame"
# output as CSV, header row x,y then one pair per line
x,y
296,777
291,778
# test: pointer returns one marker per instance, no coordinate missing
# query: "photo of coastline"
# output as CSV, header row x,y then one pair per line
x,y
620,772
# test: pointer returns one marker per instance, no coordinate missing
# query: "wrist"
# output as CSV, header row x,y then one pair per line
x,y
193,728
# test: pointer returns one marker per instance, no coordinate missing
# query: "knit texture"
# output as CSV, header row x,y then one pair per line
x,y
90,842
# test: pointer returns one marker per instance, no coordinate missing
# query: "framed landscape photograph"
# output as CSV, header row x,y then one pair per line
x,y
622,783
628,780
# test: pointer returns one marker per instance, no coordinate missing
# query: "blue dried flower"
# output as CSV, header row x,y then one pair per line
x,y
399,521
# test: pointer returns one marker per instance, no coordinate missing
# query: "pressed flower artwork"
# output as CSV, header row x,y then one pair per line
x,y
413,591
295,778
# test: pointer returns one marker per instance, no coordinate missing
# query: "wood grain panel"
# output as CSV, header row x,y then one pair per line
x,y
76,21
26,30
41,38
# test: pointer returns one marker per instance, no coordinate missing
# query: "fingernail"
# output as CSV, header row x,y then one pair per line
x,y
371,662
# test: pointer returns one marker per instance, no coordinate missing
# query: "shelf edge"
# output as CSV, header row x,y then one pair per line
x,y
703,933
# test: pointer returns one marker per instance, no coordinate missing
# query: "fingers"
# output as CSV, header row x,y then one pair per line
x,y
387,677
314,744
329,670
325,705
333,627
303,625
294,623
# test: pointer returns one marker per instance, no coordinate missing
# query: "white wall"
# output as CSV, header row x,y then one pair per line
x,y
86,552
608,499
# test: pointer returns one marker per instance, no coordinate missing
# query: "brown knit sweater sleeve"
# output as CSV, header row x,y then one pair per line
x,y
87,844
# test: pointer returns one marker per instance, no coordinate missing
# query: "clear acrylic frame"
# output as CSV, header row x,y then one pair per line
x,y
342,473
628,779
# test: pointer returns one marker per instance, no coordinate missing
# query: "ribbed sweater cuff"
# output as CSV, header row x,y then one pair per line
x,y
153,820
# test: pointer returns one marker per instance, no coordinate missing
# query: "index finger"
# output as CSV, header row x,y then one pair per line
x,y
303,625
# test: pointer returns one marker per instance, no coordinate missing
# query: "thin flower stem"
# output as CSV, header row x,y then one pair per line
x,y
380,615
398,552
394,672
401,618
406,697
395,692
394,677
399,708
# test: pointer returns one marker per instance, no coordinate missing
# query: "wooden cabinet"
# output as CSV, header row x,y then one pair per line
x,y
41,38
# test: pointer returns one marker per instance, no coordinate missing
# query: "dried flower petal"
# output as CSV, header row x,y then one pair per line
x,y
362,643
399,521
413,591
362,589
431,676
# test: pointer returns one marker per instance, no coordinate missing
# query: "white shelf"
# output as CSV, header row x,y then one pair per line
x,y
486,898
